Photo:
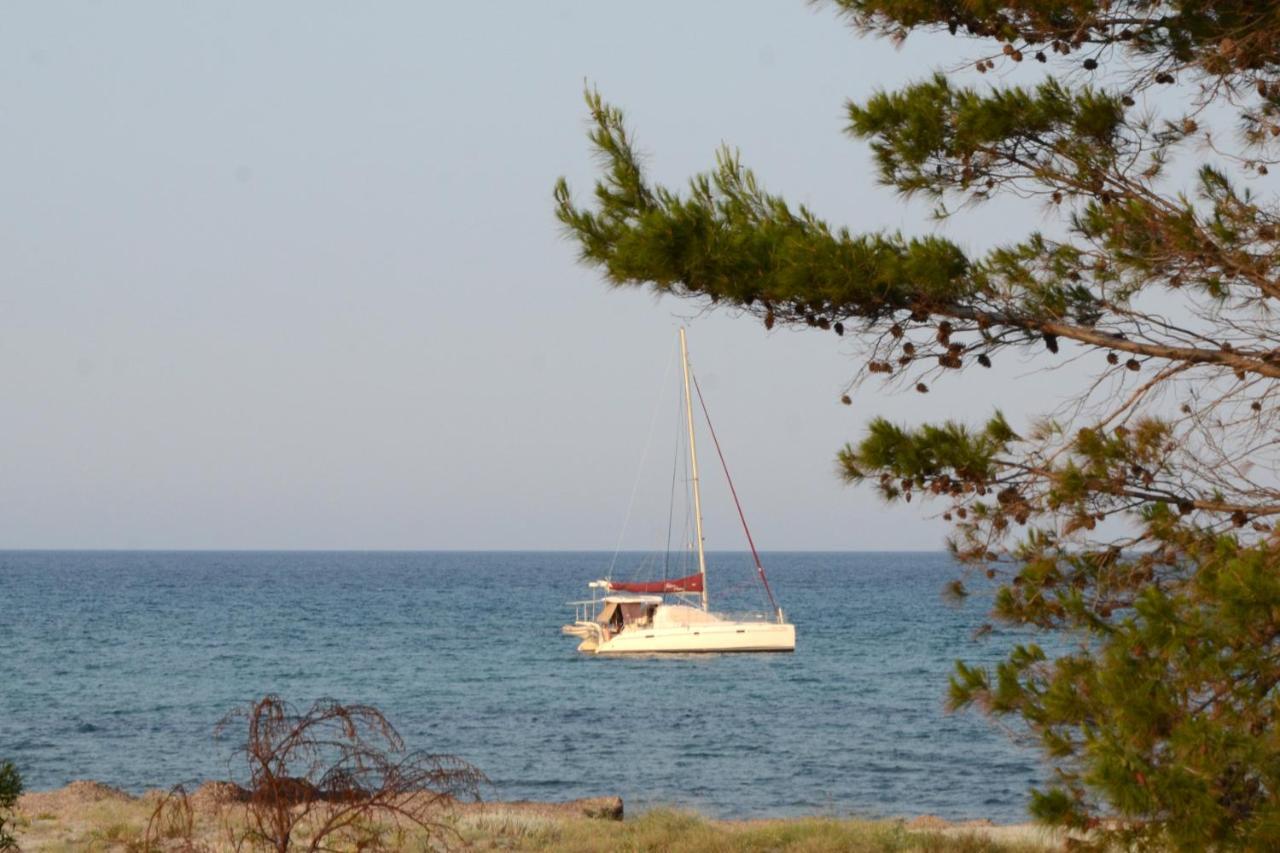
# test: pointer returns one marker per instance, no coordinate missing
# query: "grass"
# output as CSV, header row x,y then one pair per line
x,y
119,825
667,829
114,836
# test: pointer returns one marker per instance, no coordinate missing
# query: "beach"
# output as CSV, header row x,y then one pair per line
x,y
86,815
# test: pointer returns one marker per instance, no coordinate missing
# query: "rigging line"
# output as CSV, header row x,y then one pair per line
x,y
754,554
635,486
671,506
686,535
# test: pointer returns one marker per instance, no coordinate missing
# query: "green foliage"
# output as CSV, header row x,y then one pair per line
x,y
10,790
1139,527
943,458
1170,716
730,241
936,138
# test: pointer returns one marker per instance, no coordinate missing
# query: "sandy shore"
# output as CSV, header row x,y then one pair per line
x,y
87,815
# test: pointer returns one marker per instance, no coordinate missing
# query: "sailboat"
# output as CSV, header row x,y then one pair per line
x,y
674,616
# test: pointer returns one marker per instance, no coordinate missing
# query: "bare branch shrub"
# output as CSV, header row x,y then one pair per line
x,y
171,826
323,777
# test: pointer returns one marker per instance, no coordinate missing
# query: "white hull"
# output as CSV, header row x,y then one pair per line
x,y
648,624
722,636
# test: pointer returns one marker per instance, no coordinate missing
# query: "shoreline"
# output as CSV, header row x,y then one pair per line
x,y
85,813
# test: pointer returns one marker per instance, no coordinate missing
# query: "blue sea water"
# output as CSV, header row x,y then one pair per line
x,y
116,666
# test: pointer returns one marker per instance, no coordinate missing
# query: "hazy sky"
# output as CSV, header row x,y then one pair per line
x,y
287,275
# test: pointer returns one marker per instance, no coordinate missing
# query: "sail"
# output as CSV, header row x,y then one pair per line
x,y
692,583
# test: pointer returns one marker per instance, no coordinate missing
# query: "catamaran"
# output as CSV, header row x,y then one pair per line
x,y
674,615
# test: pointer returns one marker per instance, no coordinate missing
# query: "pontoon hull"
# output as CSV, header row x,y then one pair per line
x,y
692,639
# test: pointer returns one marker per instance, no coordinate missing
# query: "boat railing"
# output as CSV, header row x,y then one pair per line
x,y
585,611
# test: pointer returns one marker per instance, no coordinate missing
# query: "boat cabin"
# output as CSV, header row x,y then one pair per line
x,y
625,611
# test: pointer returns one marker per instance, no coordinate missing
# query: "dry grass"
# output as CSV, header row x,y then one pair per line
x,y
103,821
666,829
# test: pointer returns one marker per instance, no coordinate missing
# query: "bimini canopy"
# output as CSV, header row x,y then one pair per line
x,y
627,609
692,583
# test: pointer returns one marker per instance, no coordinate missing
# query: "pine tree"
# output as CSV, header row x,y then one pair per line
x,y
10,790
1160,272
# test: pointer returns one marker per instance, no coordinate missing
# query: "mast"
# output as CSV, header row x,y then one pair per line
x,y
693,461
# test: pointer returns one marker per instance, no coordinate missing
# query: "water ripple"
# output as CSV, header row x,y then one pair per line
x,y
117,665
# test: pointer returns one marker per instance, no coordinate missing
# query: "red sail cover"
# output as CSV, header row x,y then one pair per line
x,y
693,583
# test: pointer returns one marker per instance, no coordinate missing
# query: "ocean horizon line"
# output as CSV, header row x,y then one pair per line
x,y
54,550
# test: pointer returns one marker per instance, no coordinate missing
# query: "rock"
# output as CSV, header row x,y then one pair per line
x,y
75,795
605,808
211,795
88,791
599,808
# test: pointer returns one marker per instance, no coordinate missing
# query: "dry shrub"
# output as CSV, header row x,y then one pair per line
x,y
172,824
334,776
333,772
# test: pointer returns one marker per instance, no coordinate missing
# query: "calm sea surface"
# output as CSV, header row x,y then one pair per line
x,y
116,666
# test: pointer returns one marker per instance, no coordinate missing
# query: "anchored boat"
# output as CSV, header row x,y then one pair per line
x,y
674,615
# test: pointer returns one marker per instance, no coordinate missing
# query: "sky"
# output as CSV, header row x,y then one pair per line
x,y
288,276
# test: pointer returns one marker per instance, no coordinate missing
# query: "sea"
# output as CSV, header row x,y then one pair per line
x,y
117,666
